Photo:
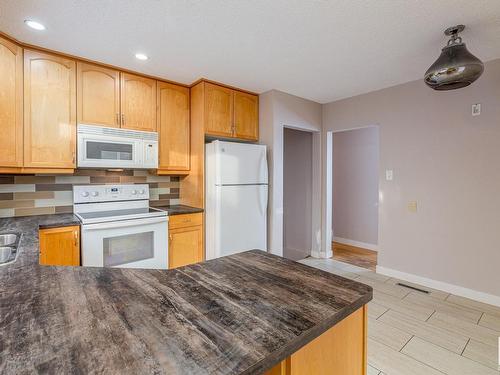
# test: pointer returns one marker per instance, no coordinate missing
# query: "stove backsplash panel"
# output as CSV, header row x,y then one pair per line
x,y
25,195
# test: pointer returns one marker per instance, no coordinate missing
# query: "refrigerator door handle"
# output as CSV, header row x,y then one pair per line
x,y
263,200
263,166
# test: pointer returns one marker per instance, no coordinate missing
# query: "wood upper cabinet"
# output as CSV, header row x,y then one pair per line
x,y
60,246
49,111
230,113
98,95
173,128
218,110
138,102
246,116
185,242
11,104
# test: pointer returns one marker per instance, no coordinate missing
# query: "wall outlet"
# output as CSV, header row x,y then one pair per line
x,y
476,109
389,174
412,206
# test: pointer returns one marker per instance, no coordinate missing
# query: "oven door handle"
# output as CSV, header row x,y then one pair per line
x,y
125,223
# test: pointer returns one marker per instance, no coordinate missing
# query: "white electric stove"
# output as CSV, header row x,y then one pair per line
x,y
119,229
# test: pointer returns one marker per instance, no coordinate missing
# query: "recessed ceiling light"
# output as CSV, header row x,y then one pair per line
x,y
34,25
141,56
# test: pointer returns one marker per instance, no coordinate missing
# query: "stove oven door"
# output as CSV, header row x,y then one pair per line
x,y
136,243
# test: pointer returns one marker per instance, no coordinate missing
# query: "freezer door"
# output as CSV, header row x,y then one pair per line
x,y
240,163
241,219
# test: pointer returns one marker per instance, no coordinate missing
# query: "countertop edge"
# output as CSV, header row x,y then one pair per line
x,y
309,336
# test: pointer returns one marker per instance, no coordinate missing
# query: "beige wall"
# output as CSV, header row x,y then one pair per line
x,y
297,194
446,160
278,110
355,186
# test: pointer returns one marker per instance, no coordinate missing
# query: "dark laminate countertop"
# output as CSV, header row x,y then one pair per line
x,y
240,314
179,209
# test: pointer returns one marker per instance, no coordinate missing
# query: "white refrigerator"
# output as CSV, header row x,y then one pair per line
x,y
236,198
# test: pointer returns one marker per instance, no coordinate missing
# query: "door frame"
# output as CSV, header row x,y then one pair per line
x,y
327,209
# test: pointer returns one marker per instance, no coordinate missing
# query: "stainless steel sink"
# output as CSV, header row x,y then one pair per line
x,y
5,254
7,239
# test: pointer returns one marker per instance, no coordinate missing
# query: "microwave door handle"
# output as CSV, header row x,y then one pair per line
x,y
124,223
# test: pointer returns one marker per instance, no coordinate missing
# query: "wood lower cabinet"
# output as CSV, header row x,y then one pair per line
x,y
98,95
138,102
339,350
185,243
60,246
246,116
49,111
173,129
11,104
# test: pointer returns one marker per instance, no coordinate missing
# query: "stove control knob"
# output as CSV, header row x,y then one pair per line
x,y
134,192
141,191
85,193
95,193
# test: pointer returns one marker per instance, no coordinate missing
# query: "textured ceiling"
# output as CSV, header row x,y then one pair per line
x,y
317,49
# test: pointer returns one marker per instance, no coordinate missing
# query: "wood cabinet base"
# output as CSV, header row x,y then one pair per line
x,y
60,246
339,351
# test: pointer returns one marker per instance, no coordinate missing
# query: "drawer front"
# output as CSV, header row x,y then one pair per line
x,y
185,220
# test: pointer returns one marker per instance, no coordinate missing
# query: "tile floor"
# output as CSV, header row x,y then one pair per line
x,y
413,333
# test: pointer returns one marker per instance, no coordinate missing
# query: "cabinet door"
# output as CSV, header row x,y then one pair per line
x,y
185,246
218,110
98,95
173,127
49,111
11,104
138,102
246,116
60,246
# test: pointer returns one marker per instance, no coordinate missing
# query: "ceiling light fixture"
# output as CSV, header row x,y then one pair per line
x,y
456,67
141,56
34,25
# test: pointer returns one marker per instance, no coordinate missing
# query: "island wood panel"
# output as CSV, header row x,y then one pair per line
x,y
218,110
246,116
49,111
192,187
138,102
173,128
340,350
98,95
11,104
60,246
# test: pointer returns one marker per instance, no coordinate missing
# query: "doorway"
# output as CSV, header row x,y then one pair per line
x,y
355,180
297,193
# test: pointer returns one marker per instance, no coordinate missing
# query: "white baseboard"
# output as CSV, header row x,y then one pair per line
x,y
363,245
441,285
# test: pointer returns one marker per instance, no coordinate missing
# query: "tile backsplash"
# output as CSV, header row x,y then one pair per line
x,y
25,195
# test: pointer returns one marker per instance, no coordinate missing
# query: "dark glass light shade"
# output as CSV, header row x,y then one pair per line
x,y
456,67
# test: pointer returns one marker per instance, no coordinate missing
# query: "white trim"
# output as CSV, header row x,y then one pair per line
x,y
322,254
363,245
441,285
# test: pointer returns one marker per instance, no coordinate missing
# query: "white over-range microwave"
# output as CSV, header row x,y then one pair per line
x,y
101,147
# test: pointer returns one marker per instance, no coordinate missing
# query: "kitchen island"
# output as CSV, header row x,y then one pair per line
x,y
248,313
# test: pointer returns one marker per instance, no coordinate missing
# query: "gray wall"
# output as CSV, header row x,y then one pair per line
x,y
355,186
297,194
278,110
446,160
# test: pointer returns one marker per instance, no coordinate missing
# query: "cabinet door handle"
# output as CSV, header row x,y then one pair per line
x,y
75,234
117,118
74,157
123,119
170,237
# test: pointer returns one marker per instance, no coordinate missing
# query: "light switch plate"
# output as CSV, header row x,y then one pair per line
x,y
412,206
389,174
476,109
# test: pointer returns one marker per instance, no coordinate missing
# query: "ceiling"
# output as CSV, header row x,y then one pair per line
x,y
321,50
